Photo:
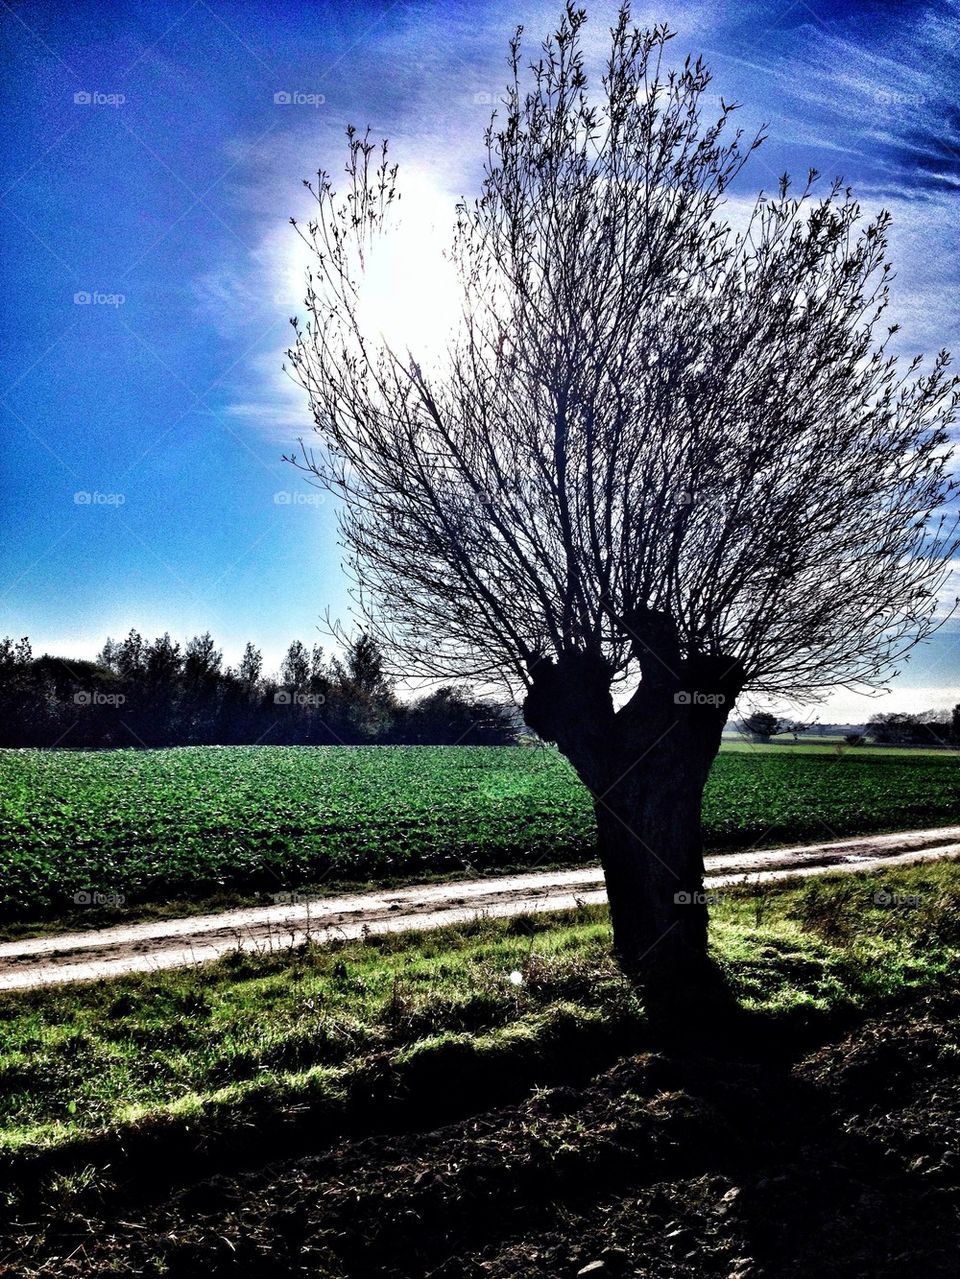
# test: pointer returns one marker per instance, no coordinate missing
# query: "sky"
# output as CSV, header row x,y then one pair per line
x,y
151,159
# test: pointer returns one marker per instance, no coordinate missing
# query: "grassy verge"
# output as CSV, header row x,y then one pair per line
x,y
349,1031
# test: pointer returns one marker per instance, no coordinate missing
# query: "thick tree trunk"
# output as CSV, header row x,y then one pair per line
x,y
645,766
650,847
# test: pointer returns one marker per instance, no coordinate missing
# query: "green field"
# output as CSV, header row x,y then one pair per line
x,y
194,822
832,745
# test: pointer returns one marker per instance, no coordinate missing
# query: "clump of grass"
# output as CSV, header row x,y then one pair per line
x,y
843,938
916,903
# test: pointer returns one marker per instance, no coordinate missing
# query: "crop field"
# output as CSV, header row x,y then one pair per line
x,y
197,821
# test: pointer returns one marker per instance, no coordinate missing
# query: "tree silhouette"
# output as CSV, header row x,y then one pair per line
x,y
762,725
295,668
138,694
251,667
660,462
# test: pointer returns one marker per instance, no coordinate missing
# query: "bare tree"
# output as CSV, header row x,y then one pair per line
x,y
662,460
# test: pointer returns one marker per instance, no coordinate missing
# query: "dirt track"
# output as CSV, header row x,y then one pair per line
x,y
173,943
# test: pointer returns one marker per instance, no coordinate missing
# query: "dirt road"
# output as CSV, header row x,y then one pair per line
x,y
173,943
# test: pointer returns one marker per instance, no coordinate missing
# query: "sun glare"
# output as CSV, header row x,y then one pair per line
x,y
409,294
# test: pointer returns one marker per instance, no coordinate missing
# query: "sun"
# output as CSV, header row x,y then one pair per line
x,y
409,293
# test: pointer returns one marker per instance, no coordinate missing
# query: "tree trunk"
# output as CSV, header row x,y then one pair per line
x,y
645,765
650,847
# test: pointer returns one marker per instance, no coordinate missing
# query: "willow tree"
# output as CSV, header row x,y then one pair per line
x,y
663,459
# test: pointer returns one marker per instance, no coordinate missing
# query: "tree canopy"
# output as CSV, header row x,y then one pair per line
x,y
645,410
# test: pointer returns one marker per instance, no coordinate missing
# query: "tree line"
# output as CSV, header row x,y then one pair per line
x,y
893,728
932,728
162,693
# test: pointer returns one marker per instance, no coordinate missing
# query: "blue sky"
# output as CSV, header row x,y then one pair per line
x,y
162,194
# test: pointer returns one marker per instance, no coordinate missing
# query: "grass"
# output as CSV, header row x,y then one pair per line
x,y
474,1008
221,825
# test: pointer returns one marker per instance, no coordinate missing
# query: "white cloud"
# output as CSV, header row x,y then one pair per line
x,y
278,406
847,708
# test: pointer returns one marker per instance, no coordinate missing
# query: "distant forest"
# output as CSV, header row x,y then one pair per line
x,y
137,693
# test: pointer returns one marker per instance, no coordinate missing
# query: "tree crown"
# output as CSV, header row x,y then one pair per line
x,y
648,422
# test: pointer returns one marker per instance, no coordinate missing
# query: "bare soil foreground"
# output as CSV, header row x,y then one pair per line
x,y
173,943
775,1155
